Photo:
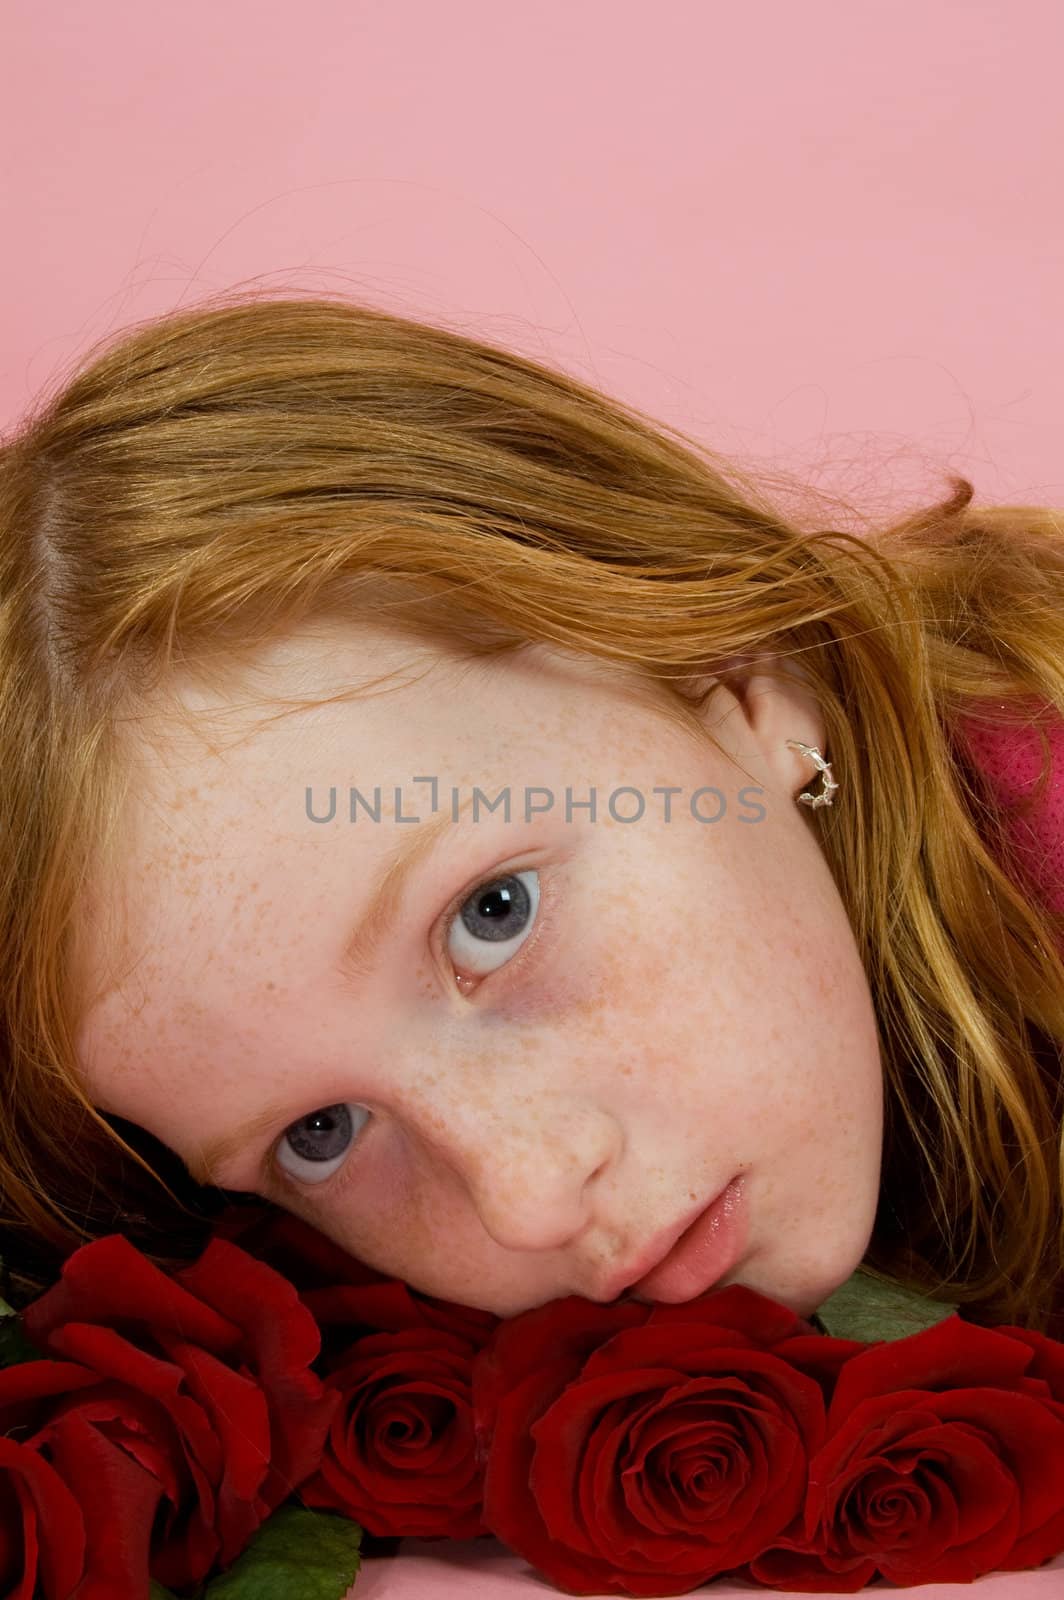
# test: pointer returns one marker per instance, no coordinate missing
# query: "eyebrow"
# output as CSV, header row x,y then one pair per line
x,y
359,958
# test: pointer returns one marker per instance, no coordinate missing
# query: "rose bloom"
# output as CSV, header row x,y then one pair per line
x,y
400,1455
190,1409
67,1485
644,1451
943,1460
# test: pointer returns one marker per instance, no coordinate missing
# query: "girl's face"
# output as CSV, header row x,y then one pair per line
x,y
571,1031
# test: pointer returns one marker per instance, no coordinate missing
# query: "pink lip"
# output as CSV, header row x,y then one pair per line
x,y
692,1255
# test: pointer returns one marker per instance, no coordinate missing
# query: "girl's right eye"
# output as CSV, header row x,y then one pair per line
x,y
319,1142
488,925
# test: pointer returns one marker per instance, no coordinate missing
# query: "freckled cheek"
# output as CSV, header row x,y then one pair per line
x,y
407,1221
558,989
390,1180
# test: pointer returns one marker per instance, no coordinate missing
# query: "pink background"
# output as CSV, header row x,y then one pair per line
x,y
822,237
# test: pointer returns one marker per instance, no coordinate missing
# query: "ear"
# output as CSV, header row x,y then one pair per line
x,y
757,711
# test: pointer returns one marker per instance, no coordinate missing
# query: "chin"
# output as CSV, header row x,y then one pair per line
x,y
805,1300
803,1305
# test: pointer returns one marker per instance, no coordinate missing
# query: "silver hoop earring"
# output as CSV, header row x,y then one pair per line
x,y
827,793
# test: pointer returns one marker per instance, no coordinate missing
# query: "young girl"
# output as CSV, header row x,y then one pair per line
x,y
291,592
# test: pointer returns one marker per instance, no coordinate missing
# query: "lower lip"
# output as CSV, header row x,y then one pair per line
x,y
711,1247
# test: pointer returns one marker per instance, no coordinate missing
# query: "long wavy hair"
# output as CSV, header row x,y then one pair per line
x,y
217,476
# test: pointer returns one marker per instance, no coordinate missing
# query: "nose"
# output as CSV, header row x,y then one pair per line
x,y
533,1180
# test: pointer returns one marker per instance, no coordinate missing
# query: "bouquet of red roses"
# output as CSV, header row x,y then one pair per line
x,y
247,1425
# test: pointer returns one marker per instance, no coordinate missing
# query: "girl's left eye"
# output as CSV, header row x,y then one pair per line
x,y
493,922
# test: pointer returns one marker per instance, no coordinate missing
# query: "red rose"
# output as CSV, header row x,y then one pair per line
x,y
75,1509
644,1450
944,1460
199,1414
400,1457
1047,1361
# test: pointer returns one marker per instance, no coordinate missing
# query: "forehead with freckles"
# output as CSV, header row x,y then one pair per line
x,y
214,832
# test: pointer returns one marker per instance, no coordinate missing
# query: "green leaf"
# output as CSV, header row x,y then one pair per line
x,y
866,1308
297,1554
14,1345
157,1592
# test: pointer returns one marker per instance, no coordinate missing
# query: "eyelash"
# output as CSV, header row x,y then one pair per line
x,y
280,1181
